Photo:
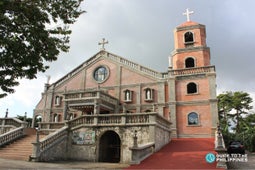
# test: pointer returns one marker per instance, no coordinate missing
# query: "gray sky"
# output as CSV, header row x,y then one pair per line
x,y
142,31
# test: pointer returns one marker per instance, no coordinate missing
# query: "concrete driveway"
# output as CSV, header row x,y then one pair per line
x,y
244,165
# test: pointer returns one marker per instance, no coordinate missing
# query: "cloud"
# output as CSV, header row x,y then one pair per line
x,y
26,96
142,31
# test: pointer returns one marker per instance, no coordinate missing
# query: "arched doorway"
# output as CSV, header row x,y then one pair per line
x,y
36,120
109,147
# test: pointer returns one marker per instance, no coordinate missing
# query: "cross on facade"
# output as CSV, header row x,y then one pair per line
x,y
103,43
188,13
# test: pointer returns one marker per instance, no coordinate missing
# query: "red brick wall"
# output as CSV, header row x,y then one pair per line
x,y
202,58
204,118
202,86
199,37
129,77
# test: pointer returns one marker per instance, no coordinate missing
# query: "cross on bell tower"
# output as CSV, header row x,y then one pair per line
x,y
103,42
188,13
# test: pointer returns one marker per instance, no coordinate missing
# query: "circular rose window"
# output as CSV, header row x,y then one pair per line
x,y
100,74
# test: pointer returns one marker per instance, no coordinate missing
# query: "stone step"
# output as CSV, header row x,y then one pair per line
x,y
21,149
30,131
20,158
15,154
15,149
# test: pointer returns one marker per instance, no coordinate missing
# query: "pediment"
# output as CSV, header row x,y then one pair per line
x,y
105,55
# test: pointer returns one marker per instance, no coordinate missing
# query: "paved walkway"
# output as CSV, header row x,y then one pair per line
x,y
14,164
244,165
181,154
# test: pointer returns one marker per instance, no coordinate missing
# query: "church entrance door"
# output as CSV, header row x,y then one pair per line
x,y
109,147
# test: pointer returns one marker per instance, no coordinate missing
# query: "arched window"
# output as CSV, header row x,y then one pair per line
x,y
192,88
189,62
127,95
188,37
193,118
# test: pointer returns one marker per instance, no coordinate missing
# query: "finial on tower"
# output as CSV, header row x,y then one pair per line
x,y
48,79
188,13
103,43
6,113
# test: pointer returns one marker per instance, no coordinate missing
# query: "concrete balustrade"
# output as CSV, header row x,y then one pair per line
x,y
195,70
220,148
11,136
11,129
57,142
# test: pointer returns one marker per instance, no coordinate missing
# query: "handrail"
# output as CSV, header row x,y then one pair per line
x,y
13,122
120,120
113,120
11,136
139,153
51,125
53,139
138,67
194,70
220,148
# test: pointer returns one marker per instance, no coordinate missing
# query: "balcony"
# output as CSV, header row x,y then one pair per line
x,y
191,71
85,99
113,120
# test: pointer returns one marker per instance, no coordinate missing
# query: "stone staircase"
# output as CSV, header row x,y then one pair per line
x,y
20,149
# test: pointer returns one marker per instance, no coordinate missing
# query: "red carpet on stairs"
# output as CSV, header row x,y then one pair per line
x,y
184,153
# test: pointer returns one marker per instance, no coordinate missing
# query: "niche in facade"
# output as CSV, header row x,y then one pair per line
x,y
128,94
149,94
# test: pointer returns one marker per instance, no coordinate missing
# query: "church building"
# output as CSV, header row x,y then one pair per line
x,y
115,107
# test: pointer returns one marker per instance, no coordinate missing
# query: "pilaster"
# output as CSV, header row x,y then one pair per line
x,y
213,100
172,106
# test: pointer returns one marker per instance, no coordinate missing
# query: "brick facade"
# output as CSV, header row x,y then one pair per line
x,y
168,91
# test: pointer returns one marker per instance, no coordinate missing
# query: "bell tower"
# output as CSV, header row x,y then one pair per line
x,y
192,83
190,49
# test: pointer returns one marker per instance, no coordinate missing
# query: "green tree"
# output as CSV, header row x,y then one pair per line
x,y
234,105
247,132
224,105
32,32
241,103
250,118
25,119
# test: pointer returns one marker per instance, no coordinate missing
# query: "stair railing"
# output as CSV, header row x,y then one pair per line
x,y
11,136
7,124
41,146
220,148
